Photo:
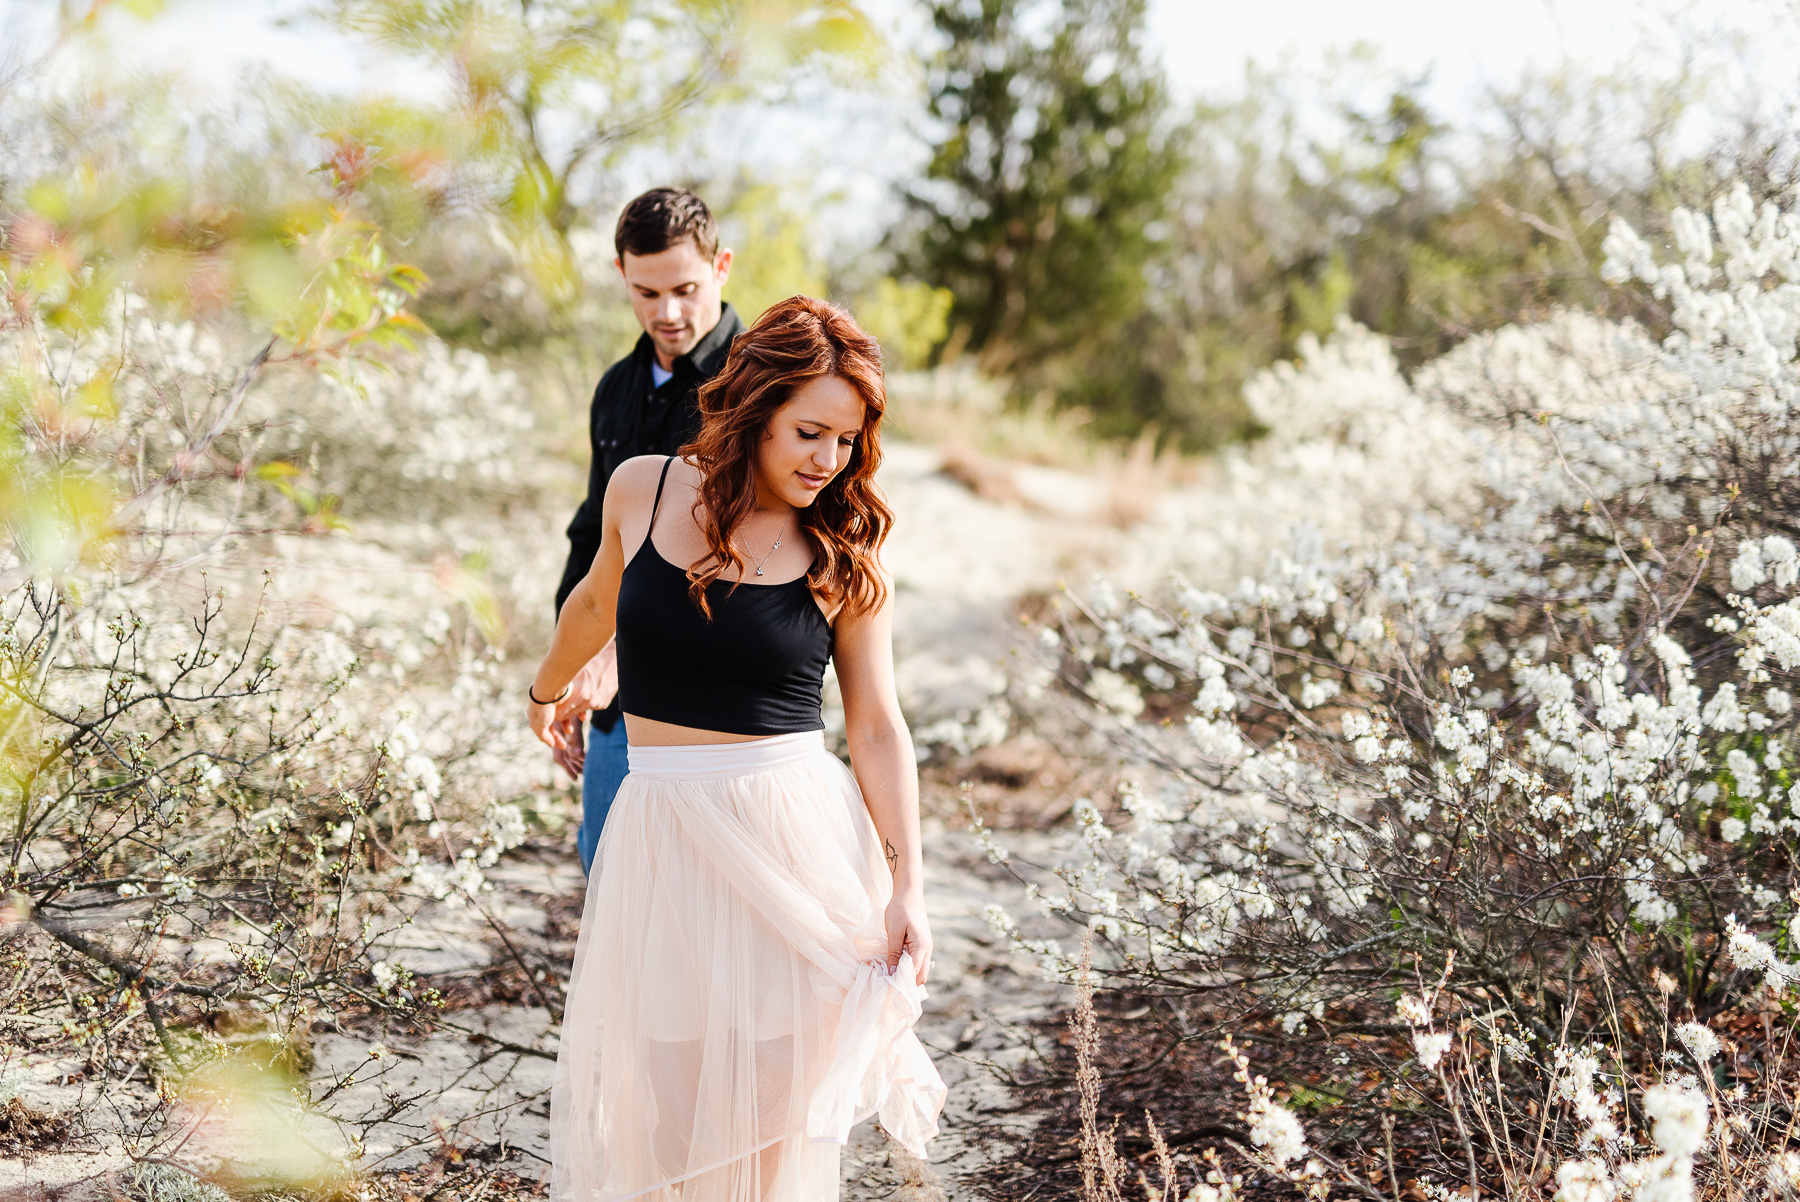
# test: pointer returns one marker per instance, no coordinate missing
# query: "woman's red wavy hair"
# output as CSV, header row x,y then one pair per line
x,y
796,341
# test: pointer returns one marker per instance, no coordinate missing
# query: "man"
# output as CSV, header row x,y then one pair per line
x,y
667,247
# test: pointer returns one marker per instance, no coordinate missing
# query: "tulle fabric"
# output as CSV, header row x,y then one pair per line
x,y
730,1015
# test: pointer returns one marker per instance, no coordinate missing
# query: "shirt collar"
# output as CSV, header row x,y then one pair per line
x,y
708,355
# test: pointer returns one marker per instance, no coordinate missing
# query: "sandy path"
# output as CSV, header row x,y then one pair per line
x,y
982,998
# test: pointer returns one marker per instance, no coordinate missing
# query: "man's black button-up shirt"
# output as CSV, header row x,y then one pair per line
x,y
631,416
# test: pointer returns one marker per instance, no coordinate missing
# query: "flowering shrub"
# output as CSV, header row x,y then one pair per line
x,y
444,431
1532,736
230,778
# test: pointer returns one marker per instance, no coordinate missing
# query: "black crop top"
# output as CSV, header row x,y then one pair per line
x,y
758,668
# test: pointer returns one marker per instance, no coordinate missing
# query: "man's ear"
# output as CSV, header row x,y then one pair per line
x,y
722,266
619,262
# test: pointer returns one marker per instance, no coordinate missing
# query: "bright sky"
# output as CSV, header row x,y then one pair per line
x,y
858,145
1206,41
1465,49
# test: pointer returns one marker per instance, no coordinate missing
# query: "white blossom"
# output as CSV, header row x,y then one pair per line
x,y
1678,1117
1430,1048
1784,1174
1116,693
1276,1129
1699,1040
1584,1181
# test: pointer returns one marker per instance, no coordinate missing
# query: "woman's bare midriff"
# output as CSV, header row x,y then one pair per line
x,y
648,732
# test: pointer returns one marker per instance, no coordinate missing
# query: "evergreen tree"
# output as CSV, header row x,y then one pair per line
x,y
1046,201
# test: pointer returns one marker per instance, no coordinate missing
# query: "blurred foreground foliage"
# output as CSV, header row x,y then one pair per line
x,y
547,100
225,784
308,280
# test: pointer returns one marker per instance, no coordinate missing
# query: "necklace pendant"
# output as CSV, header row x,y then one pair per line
x,y
759,571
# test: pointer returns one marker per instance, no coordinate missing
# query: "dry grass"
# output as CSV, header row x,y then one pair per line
x,y
1133,1097
984,439
956,406
919,1182
1137,478
25,1131
1030,781
990,479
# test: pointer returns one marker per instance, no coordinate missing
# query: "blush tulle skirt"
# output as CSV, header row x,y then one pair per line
x,y
730,1015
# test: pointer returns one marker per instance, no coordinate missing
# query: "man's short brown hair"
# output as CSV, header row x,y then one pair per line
x,y
664,217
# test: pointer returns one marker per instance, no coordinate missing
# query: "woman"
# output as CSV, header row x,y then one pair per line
x,y
754,947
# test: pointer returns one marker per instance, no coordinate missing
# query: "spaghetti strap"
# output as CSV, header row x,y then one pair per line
x,y
660,481
650,530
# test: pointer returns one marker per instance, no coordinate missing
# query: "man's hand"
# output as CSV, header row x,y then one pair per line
x,y
595,685
570,752
593,688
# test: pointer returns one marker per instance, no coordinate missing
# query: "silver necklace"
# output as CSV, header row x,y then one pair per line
x,y
777,546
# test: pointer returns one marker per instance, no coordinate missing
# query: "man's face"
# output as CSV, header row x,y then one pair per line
x,y
675,294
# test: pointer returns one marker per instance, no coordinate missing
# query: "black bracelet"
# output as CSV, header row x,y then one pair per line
x,y
534,697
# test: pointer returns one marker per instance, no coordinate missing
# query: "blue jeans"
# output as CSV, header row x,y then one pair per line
x,y
601,776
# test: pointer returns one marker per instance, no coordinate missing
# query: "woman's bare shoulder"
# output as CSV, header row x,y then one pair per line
x,y
641,470
879,616
633,483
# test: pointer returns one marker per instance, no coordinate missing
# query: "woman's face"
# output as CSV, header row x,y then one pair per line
x,y
809,440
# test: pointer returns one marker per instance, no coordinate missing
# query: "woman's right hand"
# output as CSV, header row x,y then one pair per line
x,y
593,688
577,673
542,716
